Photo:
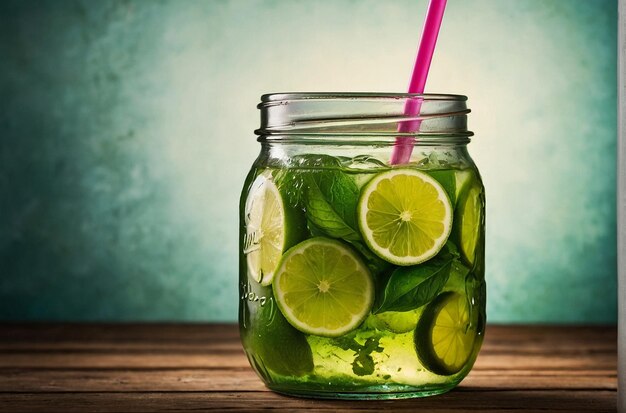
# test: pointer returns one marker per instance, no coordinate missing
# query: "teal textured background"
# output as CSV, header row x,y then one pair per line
x,y
126,133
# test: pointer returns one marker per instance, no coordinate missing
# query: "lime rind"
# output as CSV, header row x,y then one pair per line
x,y
389,205
265,229
469,215
444,338
323,288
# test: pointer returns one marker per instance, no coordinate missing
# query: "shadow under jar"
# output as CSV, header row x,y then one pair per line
x,y
360,279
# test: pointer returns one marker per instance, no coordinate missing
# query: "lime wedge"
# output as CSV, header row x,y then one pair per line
x,y
323,288
405,216
468,222
264,240
444,338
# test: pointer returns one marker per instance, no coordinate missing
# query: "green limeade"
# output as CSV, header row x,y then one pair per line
x,y
418,327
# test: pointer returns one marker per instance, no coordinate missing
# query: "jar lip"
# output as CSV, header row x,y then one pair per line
x,y
363,114
269,98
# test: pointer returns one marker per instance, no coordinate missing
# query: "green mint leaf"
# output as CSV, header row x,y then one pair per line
x,y
449,250
459,270
290,182
447,179
374,263
363,364
314,230
411,287
347,342
331,201
290,177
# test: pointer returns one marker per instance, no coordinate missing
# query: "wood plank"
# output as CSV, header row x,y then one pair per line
x,y
455,401
491,346
143,367
246,380
199,346
131,381
122,332
79,360
106,337
186,333
119,347
72,360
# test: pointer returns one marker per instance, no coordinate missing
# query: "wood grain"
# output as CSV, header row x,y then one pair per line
x,y
158,367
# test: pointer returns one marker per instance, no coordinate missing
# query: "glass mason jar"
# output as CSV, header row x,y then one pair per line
x,y
362,246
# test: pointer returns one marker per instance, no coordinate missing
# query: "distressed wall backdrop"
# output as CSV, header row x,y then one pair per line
x,y
126,133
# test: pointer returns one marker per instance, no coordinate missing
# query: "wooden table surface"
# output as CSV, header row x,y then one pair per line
x,y
165,367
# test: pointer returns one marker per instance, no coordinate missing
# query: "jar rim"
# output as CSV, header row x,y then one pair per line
x,y
375,114
270,98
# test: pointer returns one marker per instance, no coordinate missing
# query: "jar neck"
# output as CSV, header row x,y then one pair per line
x,y
364,118
278,154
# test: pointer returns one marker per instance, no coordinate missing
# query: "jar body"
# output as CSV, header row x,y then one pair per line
x,y
394,349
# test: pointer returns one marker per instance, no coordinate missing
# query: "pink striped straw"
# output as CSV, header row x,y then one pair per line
x,y
404,145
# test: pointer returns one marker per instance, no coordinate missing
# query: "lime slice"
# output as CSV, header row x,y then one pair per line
x,y
468,220
264,240
405,216
323,288
444,339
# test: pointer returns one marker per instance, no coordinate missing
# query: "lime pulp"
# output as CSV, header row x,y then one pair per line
x,y
322,287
